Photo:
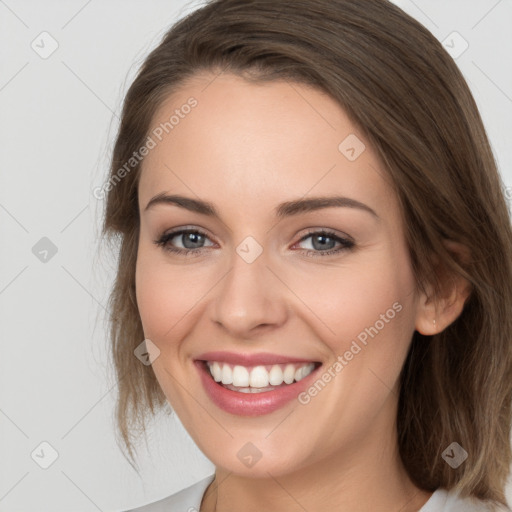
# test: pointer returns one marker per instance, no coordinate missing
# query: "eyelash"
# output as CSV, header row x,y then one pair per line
x,y
164,239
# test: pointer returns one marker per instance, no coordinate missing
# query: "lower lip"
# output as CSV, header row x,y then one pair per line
x,y
251,404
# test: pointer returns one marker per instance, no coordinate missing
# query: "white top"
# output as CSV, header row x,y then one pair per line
x,y
189,500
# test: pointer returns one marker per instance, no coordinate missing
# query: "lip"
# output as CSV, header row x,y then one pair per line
x,y
261,358
252,404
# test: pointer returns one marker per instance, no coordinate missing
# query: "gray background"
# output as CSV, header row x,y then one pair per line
x,y
58,118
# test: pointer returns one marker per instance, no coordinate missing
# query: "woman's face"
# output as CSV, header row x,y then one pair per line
x,y
274,275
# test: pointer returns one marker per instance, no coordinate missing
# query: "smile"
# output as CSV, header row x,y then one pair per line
x,y
253,385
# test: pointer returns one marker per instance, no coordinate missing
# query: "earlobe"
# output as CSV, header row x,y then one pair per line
x,y
435,314
426,316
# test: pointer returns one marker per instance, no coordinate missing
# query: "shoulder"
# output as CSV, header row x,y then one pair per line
x,y
449,501
186,500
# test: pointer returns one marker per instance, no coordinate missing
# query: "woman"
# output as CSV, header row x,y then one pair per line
x,y
315,262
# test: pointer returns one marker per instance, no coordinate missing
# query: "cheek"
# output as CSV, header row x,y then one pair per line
x,y
366,317
375,328
347,300
165,294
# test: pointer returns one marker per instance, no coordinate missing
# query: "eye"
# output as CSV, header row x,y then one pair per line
x,y
191,240
323,243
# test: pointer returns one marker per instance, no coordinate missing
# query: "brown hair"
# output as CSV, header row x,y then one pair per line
x,y
395,80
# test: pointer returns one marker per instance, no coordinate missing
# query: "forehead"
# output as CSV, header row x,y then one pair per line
x,y
261,143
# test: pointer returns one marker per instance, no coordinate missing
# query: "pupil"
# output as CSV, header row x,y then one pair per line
x,y
322,244
194,238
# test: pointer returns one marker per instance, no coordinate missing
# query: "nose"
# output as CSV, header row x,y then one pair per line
x,y
250,299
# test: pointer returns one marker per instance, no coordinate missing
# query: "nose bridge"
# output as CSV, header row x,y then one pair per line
x,y
249,296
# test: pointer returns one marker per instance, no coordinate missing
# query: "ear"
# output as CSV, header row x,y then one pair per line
x,y
435,314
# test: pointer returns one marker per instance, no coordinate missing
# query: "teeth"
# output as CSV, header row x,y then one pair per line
x,y
241,376
289,373
227,374
258,376
216,371
249,389
275,376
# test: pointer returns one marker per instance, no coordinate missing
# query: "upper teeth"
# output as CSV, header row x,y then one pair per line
x,y
259,376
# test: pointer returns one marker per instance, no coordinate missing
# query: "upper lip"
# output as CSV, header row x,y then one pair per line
x,y
260,358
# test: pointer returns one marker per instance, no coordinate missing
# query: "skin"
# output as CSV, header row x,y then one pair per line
x,y
246,148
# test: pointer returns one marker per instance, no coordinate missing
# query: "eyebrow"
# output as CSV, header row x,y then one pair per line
x,y
286,209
